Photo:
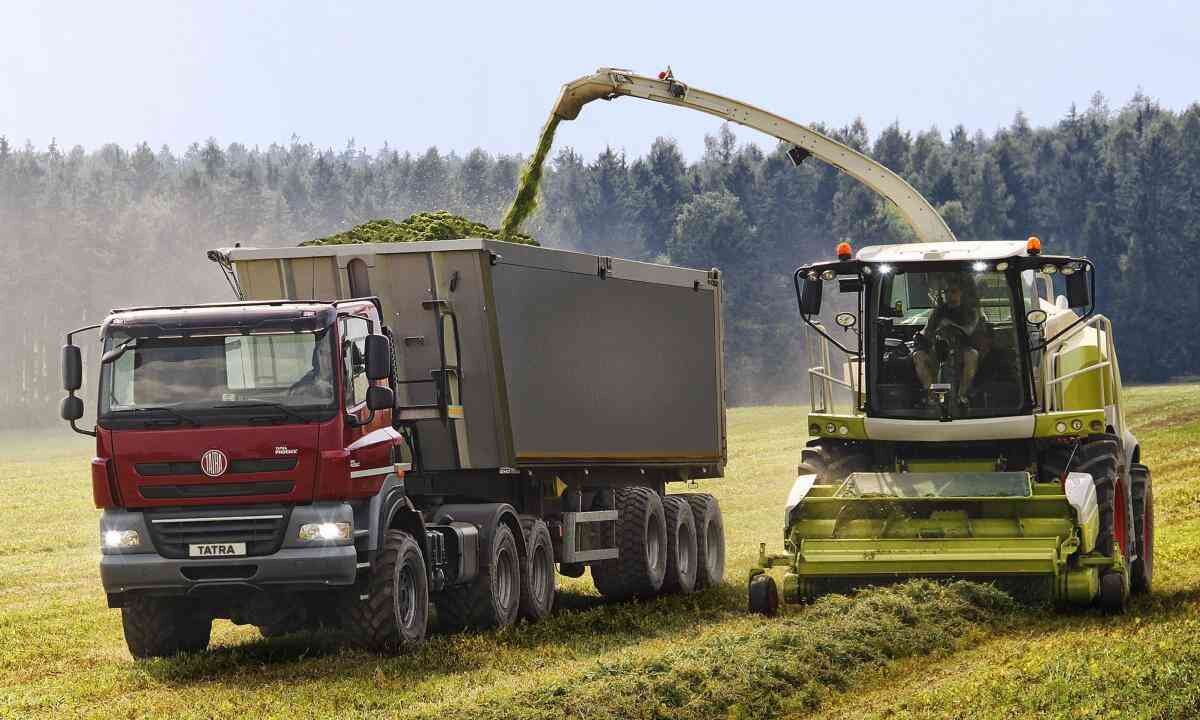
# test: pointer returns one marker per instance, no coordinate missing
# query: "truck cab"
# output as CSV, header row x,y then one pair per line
x,y
238,447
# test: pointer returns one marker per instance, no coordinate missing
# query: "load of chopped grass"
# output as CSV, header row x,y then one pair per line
x,y
525,201
437,225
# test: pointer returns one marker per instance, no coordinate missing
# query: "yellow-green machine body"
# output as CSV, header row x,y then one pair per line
x,y
1000,454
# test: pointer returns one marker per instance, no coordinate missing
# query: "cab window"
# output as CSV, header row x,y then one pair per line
x,y
354,331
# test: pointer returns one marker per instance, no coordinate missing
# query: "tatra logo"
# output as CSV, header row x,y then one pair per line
x,y
214,463
285,450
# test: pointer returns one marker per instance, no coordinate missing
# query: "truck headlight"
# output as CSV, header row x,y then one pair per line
x,y
116,539
325,531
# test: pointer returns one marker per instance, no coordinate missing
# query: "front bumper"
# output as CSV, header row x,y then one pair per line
x,y
296,565
302,567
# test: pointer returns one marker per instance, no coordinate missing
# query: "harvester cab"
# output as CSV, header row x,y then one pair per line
x,y
966,422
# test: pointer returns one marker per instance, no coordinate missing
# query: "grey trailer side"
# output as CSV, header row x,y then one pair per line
x,y
515,356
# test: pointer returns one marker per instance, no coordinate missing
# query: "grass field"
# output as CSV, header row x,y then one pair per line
x,y
914,651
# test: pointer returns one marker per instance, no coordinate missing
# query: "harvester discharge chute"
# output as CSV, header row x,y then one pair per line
x,y
972,426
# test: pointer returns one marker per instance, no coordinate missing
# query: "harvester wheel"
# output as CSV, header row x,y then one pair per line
x,y
1113,591
710,540
641,565
494,598
161,627
764,596
1098,456
395,614
831,463
681,546
538,576
1142,569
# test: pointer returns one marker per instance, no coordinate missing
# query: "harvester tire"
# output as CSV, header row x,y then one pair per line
x,y
493,599
394,617
764,596
641,564
1113,592
681,547
162,627
710,540
1142,569
830,462
1099,456
537,575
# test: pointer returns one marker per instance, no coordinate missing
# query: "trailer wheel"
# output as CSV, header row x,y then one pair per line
x,y
538,576
641,564
764,596
395,615
682,567
710,540
1142,570
494,598
161,627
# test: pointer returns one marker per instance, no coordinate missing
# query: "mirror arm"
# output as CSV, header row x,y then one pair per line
x,y
71,393
81,431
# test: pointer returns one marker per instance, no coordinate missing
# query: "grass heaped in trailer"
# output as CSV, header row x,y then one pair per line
x,y
435,225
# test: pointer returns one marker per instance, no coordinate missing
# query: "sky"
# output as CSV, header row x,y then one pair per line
x,y
460,75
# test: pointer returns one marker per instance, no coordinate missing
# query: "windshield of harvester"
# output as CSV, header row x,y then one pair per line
x,y
951,330
291,372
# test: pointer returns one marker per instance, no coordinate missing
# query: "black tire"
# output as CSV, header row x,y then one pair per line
x,y
682,567
162,627
710,540
764,596
493,599
1099,456
395,615
1113,592
831,462
641,564
537,575
1142,577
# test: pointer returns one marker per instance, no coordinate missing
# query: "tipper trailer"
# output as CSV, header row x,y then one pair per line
x,y
373,428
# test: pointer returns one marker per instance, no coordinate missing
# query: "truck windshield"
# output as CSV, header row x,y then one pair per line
x,y
949,331
218,378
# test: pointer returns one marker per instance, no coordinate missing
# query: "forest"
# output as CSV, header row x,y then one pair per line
x,y
85,231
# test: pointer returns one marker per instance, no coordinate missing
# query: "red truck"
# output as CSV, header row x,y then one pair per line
x,y
487,412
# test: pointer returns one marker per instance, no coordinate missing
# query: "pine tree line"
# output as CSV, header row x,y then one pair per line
x,y
84,232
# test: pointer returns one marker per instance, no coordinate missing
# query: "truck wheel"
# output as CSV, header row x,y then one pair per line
x,y
395,615
681,546
710,540
494,598
1142,570
537,578
641,563
161,627
764,596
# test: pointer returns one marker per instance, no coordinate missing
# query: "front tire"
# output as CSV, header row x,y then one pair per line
x,y
161,627
764,596
395,615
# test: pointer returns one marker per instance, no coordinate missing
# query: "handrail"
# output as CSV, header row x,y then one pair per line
x,y
1052,384
821,381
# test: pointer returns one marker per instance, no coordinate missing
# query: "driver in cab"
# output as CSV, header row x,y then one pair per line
x,y
957,312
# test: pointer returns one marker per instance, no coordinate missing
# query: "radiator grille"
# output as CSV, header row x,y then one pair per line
x,y
261,527
158,469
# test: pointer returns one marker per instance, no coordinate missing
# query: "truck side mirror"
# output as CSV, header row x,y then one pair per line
x,y
71,408
810,297
72,368
380,398
1079,289
379,357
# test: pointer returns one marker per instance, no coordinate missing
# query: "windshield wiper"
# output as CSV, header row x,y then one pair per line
x,y
263,404
160,409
